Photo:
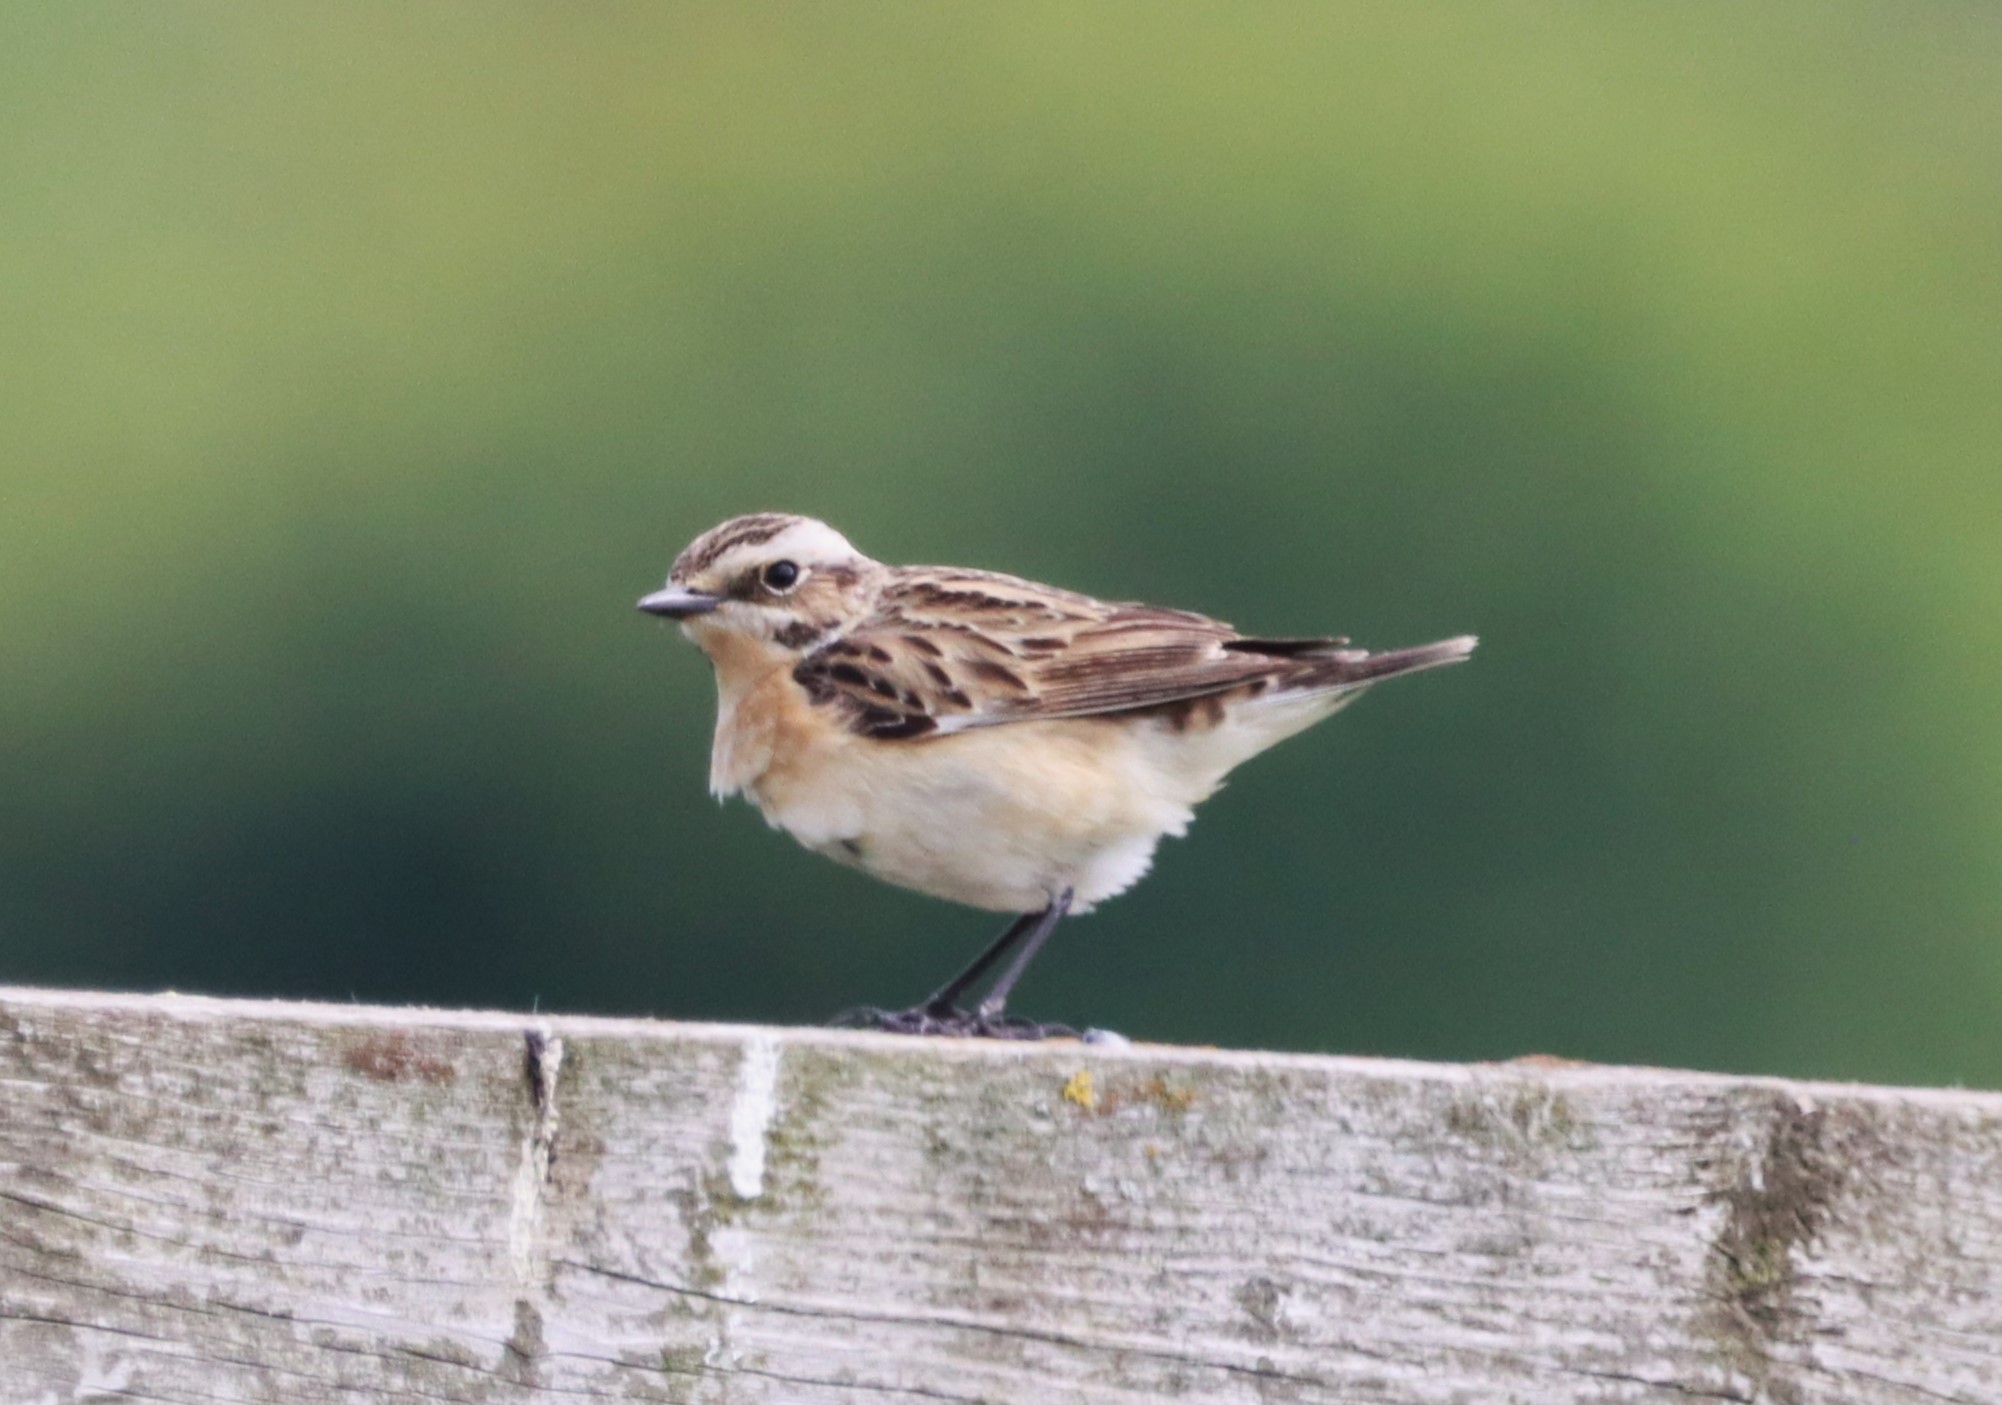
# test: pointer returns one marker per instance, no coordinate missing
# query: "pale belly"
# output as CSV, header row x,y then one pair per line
x,y
1003,818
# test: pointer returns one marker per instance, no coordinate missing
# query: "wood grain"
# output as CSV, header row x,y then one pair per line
x,y
207,1200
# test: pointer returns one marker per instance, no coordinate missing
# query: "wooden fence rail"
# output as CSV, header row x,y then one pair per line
x,y
208,1200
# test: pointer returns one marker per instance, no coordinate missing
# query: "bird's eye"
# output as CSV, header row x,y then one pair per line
x,y
781,575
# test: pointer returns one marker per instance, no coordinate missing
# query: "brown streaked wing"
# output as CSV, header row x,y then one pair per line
x,y
947,650
1287,648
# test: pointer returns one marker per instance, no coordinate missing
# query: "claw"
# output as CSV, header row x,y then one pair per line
x,y
950,1021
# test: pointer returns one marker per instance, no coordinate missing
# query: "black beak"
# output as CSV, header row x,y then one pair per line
x,y
678,602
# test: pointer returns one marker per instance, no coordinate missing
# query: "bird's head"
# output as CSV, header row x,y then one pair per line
x,y
769,584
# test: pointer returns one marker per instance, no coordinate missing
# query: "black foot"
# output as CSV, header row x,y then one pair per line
x,y
952,1021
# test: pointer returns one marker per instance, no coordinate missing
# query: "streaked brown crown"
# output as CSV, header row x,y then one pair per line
x,y
752,529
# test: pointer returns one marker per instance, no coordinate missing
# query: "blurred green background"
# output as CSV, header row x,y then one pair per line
x,y
364,363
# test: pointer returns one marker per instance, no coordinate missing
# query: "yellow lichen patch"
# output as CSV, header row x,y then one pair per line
x,y
1078,1089
1155,1092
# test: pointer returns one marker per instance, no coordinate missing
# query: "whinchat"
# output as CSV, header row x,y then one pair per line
x,y
980,737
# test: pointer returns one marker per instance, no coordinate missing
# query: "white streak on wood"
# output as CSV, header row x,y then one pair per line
x,y
524,1221
751,1114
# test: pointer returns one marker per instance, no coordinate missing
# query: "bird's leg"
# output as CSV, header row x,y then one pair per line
x,y
989,1012
940,1013
943,1001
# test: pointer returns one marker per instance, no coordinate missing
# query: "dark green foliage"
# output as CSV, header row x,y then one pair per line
x,y
364,367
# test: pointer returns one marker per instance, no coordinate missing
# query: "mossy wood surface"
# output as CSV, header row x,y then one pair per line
x,y
207,1200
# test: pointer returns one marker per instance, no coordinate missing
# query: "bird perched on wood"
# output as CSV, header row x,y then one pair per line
x,y
980,737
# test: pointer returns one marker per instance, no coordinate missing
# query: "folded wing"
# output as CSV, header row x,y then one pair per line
x,y
947,650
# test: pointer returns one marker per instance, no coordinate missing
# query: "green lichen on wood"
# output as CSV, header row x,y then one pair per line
x,y
1527,1119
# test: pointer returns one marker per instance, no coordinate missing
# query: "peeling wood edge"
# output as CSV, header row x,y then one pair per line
x,y
543,1036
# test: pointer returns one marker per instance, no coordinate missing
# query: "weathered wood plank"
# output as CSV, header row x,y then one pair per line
x,y
209,1200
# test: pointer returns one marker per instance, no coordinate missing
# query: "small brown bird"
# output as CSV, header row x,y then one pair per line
x,y
979,737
